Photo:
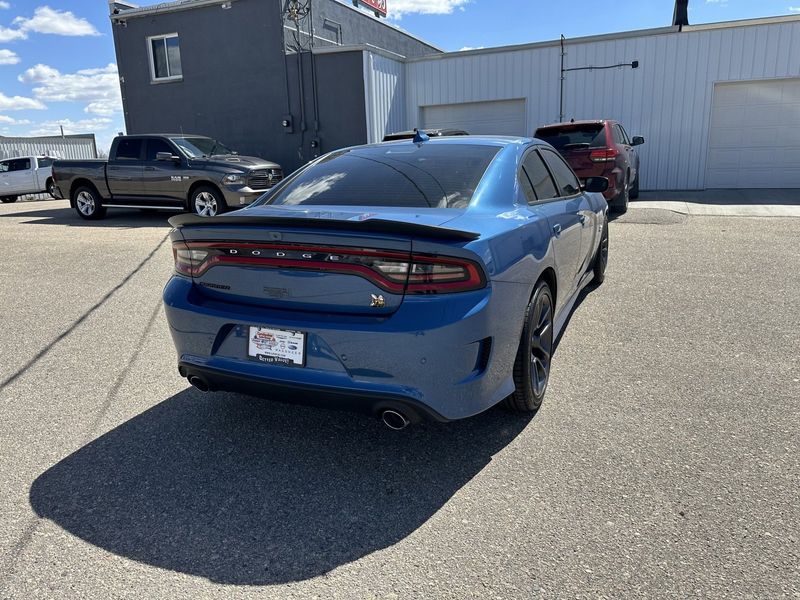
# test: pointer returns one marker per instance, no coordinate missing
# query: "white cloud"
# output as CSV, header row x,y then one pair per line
x,y
70,126
4,5
98,88
12,121
49,20
9,35
19,103
7,57
398,8
794,9
465,48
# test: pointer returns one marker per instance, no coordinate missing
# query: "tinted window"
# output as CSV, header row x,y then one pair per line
x,y
625,137
44,162
155,146
200,146
566,181
573,137
19,164
618,135
539,177
129,149
428,175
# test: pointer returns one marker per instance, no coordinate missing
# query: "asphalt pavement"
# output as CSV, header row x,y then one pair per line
x,y
663,463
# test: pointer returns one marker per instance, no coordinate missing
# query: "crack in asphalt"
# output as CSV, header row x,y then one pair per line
x,y
9,564
46,350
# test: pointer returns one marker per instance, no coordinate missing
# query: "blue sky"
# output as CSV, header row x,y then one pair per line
x,y
57,63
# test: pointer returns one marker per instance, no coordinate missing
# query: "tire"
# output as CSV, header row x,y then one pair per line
x,y
207,202
8,199
620,204
601,258
87,203
532,365
51,188
635,187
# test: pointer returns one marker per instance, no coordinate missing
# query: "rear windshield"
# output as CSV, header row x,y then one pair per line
x,y
574,137
404,175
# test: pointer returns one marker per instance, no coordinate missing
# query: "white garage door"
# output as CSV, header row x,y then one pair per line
x,y
500,117
755,135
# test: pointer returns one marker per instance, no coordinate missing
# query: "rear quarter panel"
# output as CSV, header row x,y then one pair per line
x,y
70,172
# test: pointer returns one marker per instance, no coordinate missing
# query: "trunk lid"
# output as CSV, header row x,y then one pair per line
x,y
325,259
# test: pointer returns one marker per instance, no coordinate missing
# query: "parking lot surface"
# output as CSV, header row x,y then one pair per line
x,y
663,463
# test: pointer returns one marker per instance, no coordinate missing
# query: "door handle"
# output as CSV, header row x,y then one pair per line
x,y
557,229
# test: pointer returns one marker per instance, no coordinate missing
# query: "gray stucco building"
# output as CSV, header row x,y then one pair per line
x,y
246,72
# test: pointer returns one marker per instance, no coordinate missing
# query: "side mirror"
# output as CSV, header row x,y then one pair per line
x,y
637,140
167,156
596,185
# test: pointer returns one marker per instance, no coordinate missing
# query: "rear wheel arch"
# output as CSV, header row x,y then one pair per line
x,y
197,184
79,183
549,277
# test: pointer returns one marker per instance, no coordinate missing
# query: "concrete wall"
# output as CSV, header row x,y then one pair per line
x,y
667,99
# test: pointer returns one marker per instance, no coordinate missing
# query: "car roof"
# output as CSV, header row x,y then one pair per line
x,y
582,122
465,140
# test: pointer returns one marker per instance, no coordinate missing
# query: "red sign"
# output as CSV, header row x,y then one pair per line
x,y
379,6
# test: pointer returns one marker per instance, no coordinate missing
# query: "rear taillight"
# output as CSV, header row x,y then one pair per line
x,y
395,272
603,155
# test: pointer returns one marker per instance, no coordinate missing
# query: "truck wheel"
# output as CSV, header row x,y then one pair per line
x,y
87,203
8,199
207,202
51,188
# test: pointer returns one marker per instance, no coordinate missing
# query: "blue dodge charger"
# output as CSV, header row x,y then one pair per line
x,y
419,279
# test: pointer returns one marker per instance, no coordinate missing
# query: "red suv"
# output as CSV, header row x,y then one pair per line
x,y
599,149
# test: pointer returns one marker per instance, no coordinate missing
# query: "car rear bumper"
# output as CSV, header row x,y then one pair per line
x,y
442,358
372,402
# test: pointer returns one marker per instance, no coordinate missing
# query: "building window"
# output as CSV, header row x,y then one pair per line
x,y
165,57
332,31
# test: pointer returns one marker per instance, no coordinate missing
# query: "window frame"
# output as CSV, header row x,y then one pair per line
x,y
553,177
19,160
625,135
151,140
152,63
523,173
140,158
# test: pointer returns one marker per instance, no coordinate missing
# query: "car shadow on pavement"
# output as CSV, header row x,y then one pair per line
x,y
243,491
121,218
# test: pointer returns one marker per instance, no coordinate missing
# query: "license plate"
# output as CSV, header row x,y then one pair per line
x,y
277,346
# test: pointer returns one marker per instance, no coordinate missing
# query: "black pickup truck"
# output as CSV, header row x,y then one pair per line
x,y
161,171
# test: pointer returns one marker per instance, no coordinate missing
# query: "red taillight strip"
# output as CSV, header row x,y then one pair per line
x,y
414,283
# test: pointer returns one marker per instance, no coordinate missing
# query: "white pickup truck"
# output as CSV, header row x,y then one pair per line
x,y
26,175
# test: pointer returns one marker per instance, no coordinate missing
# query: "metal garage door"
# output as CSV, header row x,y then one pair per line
x,y
500,117
755,135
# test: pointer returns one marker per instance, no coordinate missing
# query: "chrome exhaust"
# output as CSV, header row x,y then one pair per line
x,y
394,420
199,383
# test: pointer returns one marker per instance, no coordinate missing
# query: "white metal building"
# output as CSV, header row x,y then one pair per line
x,y
68,146
718,104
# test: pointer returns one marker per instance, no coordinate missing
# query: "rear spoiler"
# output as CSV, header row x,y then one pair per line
x,y
367,225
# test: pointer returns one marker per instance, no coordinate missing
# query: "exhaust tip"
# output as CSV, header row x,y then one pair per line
x,y
394,420
199,383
